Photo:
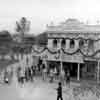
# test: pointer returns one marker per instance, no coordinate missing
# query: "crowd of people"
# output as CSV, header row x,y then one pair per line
x,y
30,73
27,74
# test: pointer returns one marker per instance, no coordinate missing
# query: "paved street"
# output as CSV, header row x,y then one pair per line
x,y
31,91
43,90
39,90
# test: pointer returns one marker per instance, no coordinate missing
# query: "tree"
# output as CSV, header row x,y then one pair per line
x,y
23,26
41,39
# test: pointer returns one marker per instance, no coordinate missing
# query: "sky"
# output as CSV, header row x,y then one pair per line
x,y
43,12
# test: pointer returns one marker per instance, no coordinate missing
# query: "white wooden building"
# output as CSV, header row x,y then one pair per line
x,y
74,46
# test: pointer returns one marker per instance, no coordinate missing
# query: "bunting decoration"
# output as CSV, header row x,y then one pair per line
x,y
44,49
68,53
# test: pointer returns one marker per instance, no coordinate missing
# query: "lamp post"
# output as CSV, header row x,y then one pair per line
x,y
61,59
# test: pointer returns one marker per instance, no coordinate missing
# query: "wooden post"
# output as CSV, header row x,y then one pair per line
x,y
78,72
98,73
61,60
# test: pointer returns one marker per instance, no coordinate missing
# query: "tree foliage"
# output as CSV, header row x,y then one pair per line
x,y
41,39
23,26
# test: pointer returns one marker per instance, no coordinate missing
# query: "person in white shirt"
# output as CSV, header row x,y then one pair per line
x,y
51,75
62,77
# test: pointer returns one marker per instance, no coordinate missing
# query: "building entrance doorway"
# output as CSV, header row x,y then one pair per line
x,y
73,70
89,70
72,67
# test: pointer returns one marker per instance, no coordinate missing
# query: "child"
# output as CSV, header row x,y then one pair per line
x,y
59,91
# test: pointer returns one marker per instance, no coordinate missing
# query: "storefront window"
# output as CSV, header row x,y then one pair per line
x,y
91,68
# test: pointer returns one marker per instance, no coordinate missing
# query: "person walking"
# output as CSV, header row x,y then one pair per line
x,y
55,73
62,77
59,91
33,67
33,72
68,78
6,79
22,76
51,75
18,74
26,74
29,74
44,71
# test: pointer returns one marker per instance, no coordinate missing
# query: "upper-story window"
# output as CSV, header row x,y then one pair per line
x,y
63,43
72,43
55,43
86,44
81,43
91,44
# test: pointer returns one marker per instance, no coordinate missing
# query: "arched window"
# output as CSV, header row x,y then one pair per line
x,y
81,43
54,43
91,44
72,43
63,43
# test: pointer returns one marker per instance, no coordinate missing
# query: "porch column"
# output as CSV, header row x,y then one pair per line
x,y
78,72
61,62
98,73
61,66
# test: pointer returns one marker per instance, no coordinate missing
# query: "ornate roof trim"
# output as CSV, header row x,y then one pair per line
x,y
73,25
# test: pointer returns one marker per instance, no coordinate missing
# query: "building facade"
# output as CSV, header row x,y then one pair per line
x,y
74,46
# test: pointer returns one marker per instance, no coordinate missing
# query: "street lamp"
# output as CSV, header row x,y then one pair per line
x,y
61,62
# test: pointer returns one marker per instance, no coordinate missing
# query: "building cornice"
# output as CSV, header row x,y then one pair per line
x,y
73,26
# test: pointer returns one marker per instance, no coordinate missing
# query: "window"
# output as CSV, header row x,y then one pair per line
x,y
81,43
72,43
63,43
93,66
91,44
54,43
